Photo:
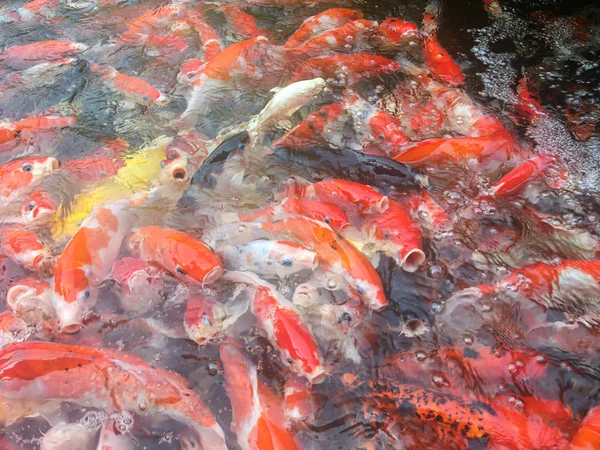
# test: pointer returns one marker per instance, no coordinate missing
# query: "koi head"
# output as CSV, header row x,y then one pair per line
x,y
38,208
203,319
73,296
25,172
396,31
31,299
182,157
326,212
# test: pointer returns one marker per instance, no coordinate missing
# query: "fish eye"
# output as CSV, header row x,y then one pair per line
x,y
26,167
172,155
346,317
30,206
326,219
206,321
180,270
287,262
86,294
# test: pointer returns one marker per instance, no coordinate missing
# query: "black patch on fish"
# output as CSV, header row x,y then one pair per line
x,y
215,161
316,164
470,353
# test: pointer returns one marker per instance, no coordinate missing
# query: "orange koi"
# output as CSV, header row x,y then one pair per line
x,y
45,123
211,42
394,32
154,21
518,178
18,176
395,226
86,261
40,373
588,435
242,23
258,416
350,196
31,300
428,211
38,208
527,105
24,56
184,256
318,24
432,151
335,254
138,88
348,68
437,59
25,248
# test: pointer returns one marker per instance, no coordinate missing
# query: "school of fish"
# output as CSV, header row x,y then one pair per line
x,y
311,238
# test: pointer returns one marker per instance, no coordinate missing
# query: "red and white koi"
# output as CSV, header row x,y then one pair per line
x,y
185,257
284,327
320,23
31,300
35,374
350,196
437,59
24,56
18,176
517,179
346,68
258,416
26,248
299,401
139,284
269,259
183,156
12,328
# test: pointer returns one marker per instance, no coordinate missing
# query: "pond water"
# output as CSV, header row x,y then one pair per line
x,y
271,224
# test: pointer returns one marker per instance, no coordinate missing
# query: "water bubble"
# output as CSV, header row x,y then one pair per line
x,y
512,369
438,381
421,356
502,387
468,339
241,228
332,284
437,308
123,422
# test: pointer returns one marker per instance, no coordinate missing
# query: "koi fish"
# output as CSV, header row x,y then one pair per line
x,y
428,212
269,259
111,440
12,328
24,56
347,69
65,436
86,260
588,435
318,24
516,180
284,327
20,175
437,59
242,23
31,300
206,319
299,402
139,284
335,254
184,154
136,87
433,151
258,416
184,256
568,286
394,232
350,196
211,42
26,248
35,374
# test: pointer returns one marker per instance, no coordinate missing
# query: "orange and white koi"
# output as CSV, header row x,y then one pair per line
x,y
20,175
568,287
335,254
242,23
428,212
24,56
269,259
12,328
211,42
258,415
31,300
299,401
318,24
395,233
136,87
38,208
187,258
26,248
346,68
518,178
35,374
284,327
138,282
206,319
433,151
86,261
155,21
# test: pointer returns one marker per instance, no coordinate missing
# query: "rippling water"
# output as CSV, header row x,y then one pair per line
x,y
444,364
